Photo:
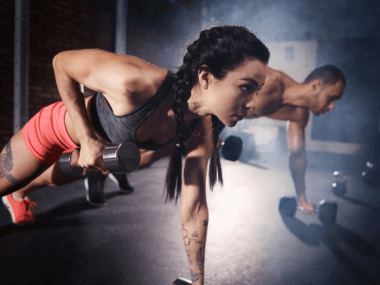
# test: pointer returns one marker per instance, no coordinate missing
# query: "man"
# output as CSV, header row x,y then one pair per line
x,y
281,98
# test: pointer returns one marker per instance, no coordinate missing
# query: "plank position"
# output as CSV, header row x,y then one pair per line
x,y
282,98
146,104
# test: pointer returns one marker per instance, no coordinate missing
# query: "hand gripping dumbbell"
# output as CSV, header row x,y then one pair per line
x,y
327,211
118,158
182,281
232,147
339,185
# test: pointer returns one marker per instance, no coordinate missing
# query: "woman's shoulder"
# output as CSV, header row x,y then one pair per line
x,y
141,74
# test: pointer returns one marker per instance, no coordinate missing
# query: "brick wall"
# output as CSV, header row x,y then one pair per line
x,y
157,30
6,70
54,26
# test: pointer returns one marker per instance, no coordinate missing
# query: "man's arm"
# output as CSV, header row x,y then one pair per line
x,y
297,160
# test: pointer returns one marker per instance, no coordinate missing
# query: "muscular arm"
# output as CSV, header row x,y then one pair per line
x,y
297,160
99,71
194,211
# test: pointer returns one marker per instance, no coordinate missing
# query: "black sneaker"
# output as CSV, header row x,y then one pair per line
x,y
94,185
122,182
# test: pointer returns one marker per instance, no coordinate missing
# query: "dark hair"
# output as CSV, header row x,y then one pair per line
x,y
221,49
329,74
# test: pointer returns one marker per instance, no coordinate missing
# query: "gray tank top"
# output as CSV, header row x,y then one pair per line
x,y
117,129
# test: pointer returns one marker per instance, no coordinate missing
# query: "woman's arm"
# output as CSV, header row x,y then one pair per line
x,y
100,71
194,211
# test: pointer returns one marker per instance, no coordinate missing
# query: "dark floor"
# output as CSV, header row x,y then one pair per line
x,y
136,238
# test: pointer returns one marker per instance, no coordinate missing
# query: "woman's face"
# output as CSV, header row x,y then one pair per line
x,y
231,97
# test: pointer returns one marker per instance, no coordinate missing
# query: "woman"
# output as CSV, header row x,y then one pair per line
x,y
221,72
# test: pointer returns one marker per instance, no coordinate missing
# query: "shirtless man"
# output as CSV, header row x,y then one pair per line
x,y
282,98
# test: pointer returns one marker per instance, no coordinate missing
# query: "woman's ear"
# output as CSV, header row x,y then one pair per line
x,y
204,76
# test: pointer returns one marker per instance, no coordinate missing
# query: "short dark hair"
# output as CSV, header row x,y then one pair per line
x,y
329,74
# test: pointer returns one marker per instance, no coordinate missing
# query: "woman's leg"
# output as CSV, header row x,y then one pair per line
x,y
18,167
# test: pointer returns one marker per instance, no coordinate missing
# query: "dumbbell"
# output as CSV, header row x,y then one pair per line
x,y
339,185
232,147
182,281
118,158
371,173
327,211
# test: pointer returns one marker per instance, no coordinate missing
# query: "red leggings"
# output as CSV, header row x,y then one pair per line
x,y
45,135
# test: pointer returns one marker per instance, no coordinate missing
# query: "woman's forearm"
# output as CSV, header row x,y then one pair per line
x,y
194,234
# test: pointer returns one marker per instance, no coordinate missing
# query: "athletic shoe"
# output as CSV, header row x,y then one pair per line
x,y
20,210
122,182
94,185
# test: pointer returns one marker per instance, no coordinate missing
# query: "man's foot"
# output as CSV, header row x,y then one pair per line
x,y
20,210
94,185
122,182
307,207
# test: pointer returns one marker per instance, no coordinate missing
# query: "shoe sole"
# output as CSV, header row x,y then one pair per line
x,y
86,186
10,210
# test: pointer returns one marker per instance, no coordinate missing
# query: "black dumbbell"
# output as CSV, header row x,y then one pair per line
x,y
339,187
182,281
327,211
371,173
232,147
118,158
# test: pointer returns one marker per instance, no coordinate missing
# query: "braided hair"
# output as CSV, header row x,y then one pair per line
x,y
221,49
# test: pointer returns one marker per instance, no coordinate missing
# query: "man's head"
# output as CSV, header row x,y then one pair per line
x,y
327,84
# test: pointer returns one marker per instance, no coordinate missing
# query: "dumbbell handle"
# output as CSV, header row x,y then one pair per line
x,y
118,158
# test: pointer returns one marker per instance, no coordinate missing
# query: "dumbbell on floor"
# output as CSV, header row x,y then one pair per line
x,y
371,173
118,158
232,147
339,187
327,211
182,281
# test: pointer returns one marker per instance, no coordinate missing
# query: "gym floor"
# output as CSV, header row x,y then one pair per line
x,y
136,238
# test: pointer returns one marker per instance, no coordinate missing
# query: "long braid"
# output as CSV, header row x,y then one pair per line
x,y
215,168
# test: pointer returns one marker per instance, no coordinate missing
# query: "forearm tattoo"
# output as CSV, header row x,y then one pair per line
x,y
194,276
6,164
200,253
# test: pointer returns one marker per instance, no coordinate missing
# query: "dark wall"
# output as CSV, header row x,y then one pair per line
x,y
356,116
6,70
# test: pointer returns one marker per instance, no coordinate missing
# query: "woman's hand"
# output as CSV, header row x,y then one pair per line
x,y
91,152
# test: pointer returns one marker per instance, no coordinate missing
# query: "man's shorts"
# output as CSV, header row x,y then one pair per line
x,y
45,135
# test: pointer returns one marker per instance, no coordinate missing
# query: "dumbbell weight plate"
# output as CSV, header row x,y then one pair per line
x,y
327,212
122,158
287,206
65,165
182,281
232,148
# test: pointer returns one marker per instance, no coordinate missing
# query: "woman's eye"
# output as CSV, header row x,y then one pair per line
x,y
246,88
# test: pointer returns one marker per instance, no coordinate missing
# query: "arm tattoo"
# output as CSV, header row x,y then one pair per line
x,y
188,252
194,276
186,238
6,164
200,259
205,223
